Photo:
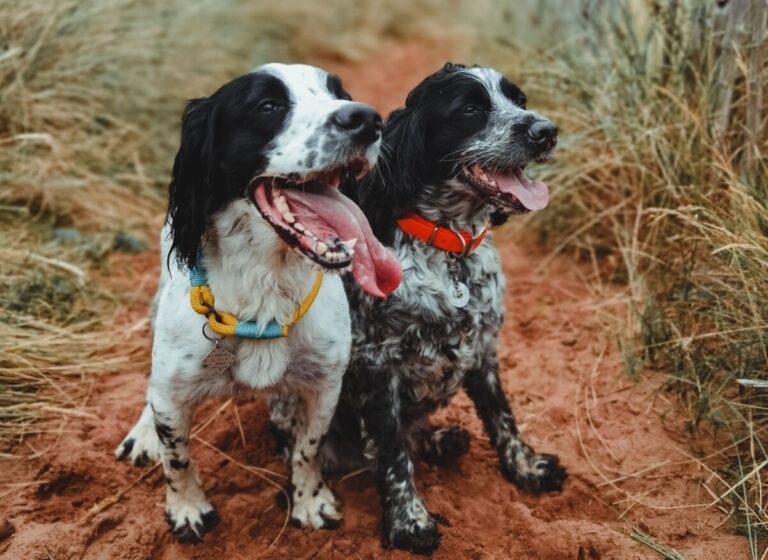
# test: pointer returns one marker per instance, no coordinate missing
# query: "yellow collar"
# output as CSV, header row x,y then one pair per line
x,y
226,324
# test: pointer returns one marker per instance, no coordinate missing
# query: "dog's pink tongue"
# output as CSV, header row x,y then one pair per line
x,y
374,267
534,195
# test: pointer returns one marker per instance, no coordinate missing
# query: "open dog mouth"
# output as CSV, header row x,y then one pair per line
x,y
313,217
510,189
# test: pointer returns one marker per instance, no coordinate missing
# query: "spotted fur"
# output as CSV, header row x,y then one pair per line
x,y
414,351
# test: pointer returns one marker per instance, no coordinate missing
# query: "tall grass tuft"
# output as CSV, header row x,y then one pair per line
x,y
661,181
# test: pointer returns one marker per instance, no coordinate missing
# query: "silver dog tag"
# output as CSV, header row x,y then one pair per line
x,y
459,294
218,360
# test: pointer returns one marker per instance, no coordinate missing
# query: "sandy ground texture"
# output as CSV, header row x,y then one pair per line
x,y
621,441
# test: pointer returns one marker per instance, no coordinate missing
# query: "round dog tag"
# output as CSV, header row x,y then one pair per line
x,y
459,294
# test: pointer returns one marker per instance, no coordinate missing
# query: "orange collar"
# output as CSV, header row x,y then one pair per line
x,y
443,238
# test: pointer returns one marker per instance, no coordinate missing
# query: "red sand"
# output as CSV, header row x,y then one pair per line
x,y
566,383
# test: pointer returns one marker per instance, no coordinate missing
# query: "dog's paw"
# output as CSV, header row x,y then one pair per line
x,y
533,473
445,444
317,509
141,447
188,518
411,527
419,535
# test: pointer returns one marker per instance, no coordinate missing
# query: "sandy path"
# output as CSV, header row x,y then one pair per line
x,y
560,369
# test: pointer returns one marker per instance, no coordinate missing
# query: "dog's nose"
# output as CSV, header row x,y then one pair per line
x,y
362,122
543,132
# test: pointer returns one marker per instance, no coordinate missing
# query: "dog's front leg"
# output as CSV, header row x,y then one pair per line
x,y
314,505
532,472
187,511
406,523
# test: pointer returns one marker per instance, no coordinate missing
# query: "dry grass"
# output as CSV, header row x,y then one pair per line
x,y
665,200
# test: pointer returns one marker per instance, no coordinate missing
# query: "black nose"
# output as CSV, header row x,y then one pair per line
x,y
362,122
543,132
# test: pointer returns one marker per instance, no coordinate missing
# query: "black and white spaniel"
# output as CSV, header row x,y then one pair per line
x,y
452,157
254,220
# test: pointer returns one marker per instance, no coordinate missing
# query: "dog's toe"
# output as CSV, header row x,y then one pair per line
x,y
452,441
124,449
536,474
184,533
210,520
412,528
416,538
550,473
439,519
331,521
318,510
141,447
190,526
189,519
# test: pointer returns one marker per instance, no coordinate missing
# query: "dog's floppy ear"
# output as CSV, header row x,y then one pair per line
x,y
405,149
390,192
190,198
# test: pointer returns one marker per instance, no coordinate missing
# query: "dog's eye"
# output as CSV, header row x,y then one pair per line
x,y
269,106
472,109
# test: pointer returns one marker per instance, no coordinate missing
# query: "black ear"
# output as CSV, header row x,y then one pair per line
x,y
190,196
390,191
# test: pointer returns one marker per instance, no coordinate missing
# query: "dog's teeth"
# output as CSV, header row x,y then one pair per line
x,y
281,204
321,248
298,226
350,243
288,217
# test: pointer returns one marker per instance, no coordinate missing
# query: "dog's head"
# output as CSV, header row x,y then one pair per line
x,y
465,131
282,136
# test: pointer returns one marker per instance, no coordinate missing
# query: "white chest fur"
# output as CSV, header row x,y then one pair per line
x,y
255,277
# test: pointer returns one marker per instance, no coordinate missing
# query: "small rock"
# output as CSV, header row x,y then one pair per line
x,y
128,243
6,530
67,236
587,551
